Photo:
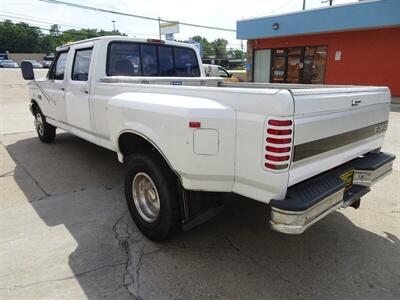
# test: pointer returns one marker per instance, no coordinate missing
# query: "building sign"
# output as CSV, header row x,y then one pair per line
x,y
338,55
169,37
169,28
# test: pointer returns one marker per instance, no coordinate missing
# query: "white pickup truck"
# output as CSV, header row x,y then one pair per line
x,y
306,150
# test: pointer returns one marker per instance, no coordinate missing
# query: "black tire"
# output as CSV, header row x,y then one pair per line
x,y
167,222
45,131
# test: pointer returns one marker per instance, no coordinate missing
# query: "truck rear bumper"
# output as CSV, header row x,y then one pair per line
x,y
311,200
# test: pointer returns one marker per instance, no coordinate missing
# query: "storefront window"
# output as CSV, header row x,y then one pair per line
x,y
278,69
294,51
298,65
293,69
314,65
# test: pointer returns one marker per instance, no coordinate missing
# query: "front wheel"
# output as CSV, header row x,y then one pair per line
x,y
45,131
151,191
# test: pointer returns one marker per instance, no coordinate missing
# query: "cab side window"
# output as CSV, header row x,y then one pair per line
x,y
80,68
58,68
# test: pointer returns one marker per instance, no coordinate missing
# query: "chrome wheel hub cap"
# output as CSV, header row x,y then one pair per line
x,y
146,197
39,124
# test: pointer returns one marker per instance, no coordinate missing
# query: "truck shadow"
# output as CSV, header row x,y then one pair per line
x,y
232,256
395,107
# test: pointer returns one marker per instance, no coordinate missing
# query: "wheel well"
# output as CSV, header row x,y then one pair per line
x,y
35,106
131,143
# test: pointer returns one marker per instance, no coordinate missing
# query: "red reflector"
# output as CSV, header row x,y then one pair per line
x,y
279,141
277,150
280,122
275,167
279,132
156,41
194,124
277,158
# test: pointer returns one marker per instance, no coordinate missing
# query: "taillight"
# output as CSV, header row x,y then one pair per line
x,y
277,150
277,158
280,122
278,138
279,132
279,141
276,167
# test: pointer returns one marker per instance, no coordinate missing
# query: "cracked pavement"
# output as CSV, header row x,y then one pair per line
x,y
65,232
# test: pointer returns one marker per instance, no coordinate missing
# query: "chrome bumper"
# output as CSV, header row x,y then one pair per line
x,y
287,216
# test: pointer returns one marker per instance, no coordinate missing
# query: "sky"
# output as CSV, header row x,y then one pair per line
x,y
218,13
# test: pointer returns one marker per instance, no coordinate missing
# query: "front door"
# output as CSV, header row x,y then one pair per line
x,y
77,93
53,89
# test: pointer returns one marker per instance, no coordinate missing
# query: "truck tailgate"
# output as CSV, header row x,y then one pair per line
x,y
336,125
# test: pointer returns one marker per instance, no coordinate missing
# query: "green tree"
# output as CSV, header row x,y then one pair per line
x,y
19,37
219,46
54,30
208,49
236,54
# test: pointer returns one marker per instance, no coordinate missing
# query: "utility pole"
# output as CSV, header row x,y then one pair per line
x,y
325,1
159,28
113,21
304,4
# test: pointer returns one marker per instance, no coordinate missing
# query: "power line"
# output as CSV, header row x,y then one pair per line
x,y
38,20
49,29
275,9
133,15
2,17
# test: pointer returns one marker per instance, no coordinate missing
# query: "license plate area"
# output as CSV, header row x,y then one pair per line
x,y
347,178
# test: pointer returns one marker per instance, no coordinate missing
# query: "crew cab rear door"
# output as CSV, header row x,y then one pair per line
x,y
77,91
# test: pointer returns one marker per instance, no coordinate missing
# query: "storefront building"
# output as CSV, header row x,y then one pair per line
x,y
356,43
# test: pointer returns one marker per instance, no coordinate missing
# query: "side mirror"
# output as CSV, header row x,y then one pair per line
x,y
229,75
27,70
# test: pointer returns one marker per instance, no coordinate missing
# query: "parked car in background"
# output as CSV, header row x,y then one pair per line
x,y
216,71
3,56
47,60
46,64
229,76
35,64
8,63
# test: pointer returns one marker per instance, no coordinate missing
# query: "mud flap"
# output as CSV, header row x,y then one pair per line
x,y
199,207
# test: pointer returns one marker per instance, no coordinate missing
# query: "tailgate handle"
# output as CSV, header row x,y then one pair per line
x,y
355,102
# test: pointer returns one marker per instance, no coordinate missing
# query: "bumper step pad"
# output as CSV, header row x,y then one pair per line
x,y
311,200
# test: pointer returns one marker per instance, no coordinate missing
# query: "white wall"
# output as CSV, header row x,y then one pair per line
x,y
262,65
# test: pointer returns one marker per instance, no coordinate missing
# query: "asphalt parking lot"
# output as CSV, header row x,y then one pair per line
x,y
65,232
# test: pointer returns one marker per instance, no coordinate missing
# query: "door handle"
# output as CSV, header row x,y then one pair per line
x,y
62,89
84,90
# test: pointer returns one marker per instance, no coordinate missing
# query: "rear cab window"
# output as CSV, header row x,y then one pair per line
x,y
141,59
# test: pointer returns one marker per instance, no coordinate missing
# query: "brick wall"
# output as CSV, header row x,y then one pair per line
x,y
249,67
